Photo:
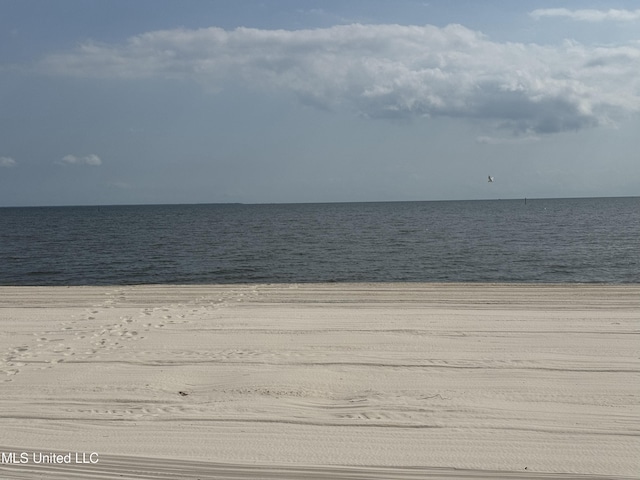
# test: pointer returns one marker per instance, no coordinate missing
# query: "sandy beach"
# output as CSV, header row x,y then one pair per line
x,y
315,381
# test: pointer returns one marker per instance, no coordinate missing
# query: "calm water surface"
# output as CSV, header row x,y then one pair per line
x,y
551,240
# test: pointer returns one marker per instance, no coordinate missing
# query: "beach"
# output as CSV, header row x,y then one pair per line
x,y
378,380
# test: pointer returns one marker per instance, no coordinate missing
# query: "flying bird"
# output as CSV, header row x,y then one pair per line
x,y
490,179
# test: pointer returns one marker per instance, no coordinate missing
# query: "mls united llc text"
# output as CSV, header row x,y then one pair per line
x,y
17,458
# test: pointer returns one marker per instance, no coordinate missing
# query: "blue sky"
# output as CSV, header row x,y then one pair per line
x,y
192,101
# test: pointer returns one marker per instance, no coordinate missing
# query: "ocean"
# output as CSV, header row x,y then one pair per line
x,y
586,240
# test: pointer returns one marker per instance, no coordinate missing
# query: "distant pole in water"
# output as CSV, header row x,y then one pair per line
x,y
525,200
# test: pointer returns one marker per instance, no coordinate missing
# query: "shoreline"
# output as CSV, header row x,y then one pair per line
x,y
484,378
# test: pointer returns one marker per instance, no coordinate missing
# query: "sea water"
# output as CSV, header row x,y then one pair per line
x,y
541,240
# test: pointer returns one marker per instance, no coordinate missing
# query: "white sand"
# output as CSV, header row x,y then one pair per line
x,y
322,381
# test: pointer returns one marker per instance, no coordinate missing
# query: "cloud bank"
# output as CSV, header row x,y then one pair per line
x,y
589,15
92,160
388,71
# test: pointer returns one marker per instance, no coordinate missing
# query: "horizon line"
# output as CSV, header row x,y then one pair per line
x,y
307,203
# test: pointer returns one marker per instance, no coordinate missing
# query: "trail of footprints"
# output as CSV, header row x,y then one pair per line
x,y
72,340
80,339
10,363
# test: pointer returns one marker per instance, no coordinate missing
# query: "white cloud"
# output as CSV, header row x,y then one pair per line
x,y
588,15
92,160
388,71
7,162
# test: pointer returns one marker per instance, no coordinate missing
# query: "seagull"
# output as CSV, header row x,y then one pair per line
x,y
490,179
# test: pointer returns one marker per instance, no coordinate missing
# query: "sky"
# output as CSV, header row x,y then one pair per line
x,y
282,101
